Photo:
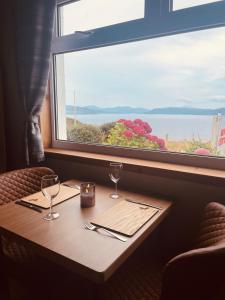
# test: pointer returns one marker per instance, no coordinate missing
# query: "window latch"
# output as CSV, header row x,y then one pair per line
x,y
88,32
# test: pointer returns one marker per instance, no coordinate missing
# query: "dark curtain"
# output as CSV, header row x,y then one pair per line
x,y
2,131
27,27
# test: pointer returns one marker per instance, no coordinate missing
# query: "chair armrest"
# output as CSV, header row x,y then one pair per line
x,y
196,274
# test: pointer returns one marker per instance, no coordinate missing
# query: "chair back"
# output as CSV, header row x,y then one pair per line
x,y
200,273
19,183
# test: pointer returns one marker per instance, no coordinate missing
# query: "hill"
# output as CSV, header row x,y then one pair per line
x,y
91,109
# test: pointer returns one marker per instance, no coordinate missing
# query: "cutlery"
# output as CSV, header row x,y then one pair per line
x,y
28,205
93,227
75,186
133,201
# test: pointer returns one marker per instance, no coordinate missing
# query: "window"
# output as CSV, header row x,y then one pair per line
x,y
85,15
155,83
181,4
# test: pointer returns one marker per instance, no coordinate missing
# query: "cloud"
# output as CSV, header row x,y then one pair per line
x,y
184,101
183,69
215,98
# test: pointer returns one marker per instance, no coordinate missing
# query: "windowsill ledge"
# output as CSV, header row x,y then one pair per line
x,y
177,171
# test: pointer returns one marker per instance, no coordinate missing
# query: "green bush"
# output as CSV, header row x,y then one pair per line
x,y
85,133
195,144
106,128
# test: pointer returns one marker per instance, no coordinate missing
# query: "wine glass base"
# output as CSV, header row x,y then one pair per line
x,y
51,216
114,196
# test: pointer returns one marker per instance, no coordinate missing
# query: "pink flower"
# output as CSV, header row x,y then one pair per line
x,y
147,127
161,143
149,137
128,123
138,122
131,126
142,132
154,138
121,121
138,130
202,151
128,134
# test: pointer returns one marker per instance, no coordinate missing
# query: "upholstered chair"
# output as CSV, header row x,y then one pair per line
x,y
14,185
197,274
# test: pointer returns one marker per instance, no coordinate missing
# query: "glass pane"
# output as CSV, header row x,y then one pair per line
x,y
90,14
180,4
161,94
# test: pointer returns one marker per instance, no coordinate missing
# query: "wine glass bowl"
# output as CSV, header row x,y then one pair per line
x,y
115,169
50,186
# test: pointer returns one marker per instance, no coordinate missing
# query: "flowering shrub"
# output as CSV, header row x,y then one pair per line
x,y
199,147
202,151
135,133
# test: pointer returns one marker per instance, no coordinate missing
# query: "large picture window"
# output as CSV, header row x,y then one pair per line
x,y
153,89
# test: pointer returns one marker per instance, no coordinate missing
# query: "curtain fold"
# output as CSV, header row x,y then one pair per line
x,y
34,27
26,35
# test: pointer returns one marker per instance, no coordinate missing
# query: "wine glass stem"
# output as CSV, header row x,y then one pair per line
x,y
116,187
50,210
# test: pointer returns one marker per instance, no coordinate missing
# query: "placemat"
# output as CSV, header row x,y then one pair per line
x,y
38,199
125,217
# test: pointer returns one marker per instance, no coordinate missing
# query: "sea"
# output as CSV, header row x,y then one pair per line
x,y
173,127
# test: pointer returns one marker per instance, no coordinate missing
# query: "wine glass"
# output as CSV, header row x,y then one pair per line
x,y
115,169
50,186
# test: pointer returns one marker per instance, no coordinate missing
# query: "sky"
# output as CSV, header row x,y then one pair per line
x,y
180,4
183,70
89,14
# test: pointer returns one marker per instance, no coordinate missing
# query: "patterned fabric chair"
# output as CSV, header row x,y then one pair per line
x,y
14,185
20,183
196,274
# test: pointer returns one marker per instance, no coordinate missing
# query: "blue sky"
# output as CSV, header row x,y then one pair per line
x,y
180,70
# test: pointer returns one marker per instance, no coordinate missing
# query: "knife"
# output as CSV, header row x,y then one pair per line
x,y
75,186
133,201
31,206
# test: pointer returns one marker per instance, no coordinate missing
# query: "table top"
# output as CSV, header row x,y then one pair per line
x,y
65,241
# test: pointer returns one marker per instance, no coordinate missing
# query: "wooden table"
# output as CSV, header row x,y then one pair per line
x,y
65,241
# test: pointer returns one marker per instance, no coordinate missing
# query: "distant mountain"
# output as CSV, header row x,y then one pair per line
x,y
187,111
85,110
92,109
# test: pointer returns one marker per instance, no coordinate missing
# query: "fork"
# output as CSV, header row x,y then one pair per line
x,y
93,227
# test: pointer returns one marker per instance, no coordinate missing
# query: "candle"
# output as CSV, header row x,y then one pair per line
x,y
87,194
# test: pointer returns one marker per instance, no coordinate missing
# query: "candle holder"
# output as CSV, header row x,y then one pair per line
x,y
87,194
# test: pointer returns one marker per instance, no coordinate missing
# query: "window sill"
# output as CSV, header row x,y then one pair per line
x,y
176,171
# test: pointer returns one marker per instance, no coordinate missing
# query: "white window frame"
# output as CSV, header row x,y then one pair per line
x,y
159,20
